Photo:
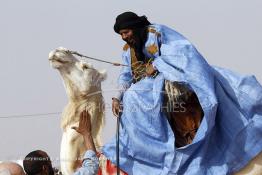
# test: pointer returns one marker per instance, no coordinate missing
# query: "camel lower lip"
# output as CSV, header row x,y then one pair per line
x,y
60,61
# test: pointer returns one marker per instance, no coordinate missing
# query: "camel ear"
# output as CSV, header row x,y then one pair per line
x,y
102,75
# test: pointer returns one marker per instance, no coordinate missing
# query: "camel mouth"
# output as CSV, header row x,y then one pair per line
x,y
58,60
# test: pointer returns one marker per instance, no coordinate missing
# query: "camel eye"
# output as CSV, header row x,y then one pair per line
x,y
84,66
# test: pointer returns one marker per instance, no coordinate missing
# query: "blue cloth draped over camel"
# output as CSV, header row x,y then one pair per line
x,y
231,129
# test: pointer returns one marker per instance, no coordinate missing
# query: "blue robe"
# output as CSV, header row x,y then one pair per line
x,y
230,134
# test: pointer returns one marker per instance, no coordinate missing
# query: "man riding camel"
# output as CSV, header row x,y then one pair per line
x,y
214,123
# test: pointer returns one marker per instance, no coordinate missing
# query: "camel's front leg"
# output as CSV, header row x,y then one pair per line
x,y
72,148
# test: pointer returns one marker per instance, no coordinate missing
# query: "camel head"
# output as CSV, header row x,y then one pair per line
x,y
80,78
61,58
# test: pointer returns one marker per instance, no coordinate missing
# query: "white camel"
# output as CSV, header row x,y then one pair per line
x,y
83,87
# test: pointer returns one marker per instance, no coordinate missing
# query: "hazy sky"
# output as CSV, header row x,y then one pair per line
x,y
227,33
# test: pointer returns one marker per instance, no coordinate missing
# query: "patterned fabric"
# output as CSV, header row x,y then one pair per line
x,y
230,132
108,168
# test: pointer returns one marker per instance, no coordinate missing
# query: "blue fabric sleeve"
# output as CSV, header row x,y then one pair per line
x,y
171,62
90,164
179,59
125,77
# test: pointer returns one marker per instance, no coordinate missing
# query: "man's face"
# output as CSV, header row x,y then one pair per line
x,y
128,36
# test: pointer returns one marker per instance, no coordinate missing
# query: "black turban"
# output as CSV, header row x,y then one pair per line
x,y
130,20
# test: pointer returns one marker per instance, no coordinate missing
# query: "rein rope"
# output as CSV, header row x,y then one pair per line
x,y
96,59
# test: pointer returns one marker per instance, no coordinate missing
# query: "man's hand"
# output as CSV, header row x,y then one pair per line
x,y
150,70
84,126
115,106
